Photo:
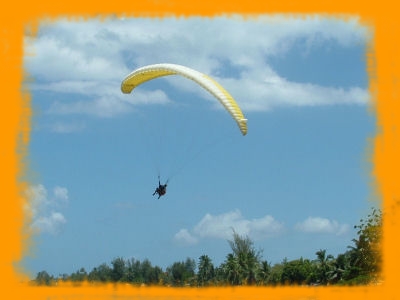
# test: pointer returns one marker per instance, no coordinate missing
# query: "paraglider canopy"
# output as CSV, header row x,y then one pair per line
x,y
150,72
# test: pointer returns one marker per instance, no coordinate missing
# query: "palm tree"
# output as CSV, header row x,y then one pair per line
x,y
263,272
339,267
245,256
206,270
232,270
325,266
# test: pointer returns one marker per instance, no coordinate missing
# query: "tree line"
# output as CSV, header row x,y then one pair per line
x,y
244,265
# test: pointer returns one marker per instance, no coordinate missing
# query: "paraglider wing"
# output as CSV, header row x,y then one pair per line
x,y
150,72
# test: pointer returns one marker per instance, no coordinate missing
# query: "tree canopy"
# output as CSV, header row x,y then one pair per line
x,y
244,265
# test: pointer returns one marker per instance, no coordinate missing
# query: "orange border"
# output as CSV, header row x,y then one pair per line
x,y
383,69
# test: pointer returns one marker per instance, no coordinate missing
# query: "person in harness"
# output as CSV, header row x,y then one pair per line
x,y
161,190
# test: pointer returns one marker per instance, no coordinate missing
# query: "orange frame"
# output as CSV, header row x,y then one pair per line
x,y
383,69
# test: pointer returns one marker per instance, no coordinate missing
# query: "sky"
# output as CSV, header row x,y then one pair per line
x,y
298,181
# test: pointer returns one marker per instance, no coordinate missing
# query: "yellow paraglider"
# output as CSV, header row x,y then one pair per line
x,y
150,72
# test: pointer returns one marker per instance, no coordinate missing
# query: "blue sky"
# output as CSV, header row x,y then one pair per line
x,y
296,183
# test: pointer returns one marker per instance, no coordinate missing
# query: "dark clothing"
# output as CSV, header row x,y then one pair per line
x,y
161,190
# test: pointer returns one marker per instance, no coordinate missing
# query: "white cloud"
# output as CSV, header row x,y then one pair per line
x,y
37,195
45,209
222,226
102,107
64,127
274,91
61,193
185,238
91,57
51,223
322,225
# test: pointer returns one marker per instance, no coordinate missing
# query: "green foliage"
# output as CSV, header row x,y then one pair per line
x,y
324,266
43,278
275,275
118,269
361,264
102,273
365,256
182,273
243,263
79,275
205,273
297,272
263,273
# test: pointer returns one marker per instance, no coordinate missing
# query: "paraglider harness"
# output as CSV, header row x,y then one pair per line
x,y
161,190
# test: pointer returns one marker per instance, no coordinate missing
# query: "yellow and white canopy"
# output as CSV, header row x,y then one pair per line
x,y
150,72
